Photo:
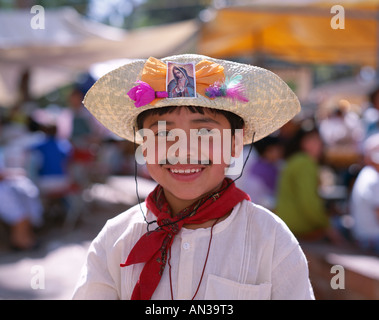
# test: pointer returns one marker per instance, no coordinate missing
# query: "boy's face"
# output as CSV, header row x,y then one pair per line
x,y
190,178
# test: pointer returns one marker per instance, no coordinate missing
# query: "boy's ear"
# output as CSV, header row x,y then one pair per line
x,y
237,143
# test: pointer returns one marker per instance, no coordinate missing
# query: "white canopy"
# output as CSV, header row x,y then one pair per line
x,y
70,44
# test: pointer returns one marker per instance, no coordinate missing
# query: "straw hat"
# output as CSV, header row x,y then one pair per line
x,y
258,96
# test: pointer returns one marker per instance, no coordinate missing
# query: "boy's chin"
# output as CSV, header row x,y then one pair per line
x,y
187,196
190,194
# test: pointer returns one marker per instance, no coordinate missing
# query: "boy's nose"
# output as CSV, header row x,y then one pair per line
x,y
187,148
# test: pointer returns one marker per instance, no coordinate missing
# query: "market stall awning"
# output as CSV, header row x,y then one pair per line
x,y
70,44
296,31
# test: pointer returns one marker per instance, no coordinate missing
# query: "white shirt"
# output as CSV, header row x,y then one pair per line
x,y
364,203
253,255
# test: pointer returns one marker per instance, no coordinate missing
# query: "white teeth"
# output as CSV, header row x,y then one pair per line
x,y
185,171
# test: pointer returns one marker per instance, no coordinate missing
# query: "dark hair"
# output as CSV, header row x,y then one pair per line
x,y
294,145
183,71
262,145
49,129
372,95
236,122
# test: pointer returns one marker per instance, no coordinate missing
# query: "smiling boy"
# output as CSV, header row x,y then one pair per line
x,y
205,239
189,179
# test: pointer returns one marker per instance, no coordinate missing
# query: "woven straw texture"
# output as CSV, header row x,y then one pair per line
x,y
271,102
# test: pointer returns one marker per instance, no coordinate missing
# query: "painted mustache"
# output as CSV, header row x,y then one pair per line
x,y
176,160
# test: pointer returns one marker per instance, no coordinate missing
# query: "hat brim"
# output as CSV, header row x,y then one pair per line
x,y
271,102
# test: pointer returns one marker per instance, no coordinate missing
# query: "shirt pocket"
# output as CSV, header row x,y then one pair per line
x,y
224,289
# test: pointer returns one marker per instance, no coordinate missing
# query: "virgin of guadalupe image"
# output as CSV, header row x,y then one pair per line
x,y
182,85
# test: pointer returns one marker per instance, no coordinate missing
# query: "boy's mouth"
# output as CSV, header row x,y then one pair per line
x,y
185,173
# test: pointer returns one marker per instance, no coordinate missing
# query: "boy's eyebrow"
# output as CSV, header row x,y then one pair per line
x,y
205,120
155,123
198,120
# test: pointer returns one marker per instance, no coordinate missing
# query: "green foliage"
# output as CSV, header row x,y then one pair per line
x,y
79,5
164,11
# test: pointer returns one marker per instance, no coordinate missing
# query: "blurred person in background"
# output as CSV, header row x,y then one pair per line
x,y
83,139
260,181
298,201
341,128
364,201
342,131
20,208
371,114
51,159
20,205
81,127
95,148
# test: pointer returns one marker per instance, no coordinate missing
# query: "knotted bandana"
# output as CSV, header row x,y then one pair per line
x,y
153,246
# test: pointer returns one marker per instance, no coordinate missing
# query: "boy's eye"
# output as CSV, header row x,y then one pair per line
x,y
203,131
163,133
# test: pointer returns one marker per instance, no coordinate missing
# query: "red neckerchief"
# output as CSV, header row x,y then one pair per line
x,y
153,246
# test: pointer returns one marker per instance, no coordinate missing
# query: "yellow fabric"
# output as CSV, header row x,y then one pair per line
x,y
207,73
298,33
154,73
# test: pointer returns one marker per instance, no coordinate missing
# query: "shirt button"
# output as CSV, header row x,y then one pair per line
x,y
186,245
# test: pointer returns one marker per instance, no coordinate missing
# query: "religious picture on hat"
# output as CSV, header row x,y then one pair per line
x,y
181,82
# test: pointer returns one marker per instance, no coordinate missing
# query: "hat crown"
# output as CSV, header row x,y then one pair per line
x,y
271,103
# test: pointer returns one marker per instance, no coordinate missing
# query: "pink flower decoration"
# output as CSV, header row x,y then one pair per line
x,y
143,94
